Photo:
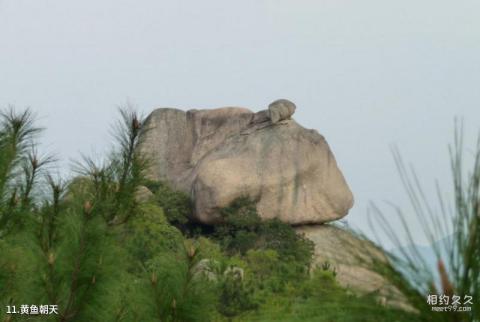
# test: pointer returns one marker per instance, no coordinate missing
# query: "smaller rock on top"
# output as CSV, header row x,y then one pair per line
x,y
280,110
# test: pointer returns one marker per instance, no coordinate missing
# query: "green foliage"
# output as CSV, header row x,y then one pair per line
x,y
90,247
208,249
149,233
458,257
176,205
115,181
270,272
243,230
262,262
273,255
235,295
83,266
289,245
57,249
178,294
20,168
18,266
16,134
320,299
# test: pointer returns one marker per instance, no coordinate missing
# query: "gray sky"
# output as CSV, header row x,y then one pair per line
x,y
365,74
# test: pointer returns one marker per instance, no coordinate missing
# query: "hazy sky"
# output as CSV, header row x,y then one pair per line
x,y
365,74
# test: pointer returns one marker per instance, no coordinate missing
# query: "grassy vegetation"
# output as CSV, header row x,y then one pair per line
x,y
90,246
457,272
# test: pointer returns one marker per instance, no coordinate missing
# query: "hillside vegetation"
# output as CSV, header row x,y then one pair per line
x,y
102,250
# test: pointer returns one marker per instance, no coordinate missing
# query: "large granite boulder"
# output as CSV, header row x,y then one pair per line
x,y
222,154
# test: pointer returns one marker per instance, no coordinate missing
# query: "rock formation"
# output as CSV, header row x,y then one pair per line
x,y
222,154
353,259
281,110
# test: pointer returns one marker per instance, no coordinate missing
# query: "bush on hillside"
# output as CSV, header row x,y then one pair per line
x,y
176,205
242,230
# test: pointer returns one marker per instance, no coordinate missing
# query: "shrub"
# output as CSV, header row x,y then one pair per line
x,y
176,292
243,230
235,296
176,205
149,233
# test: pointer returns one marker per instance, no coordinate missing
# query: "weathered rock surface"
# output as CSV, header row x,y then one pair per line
x,y
222,154
281,110
353,260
